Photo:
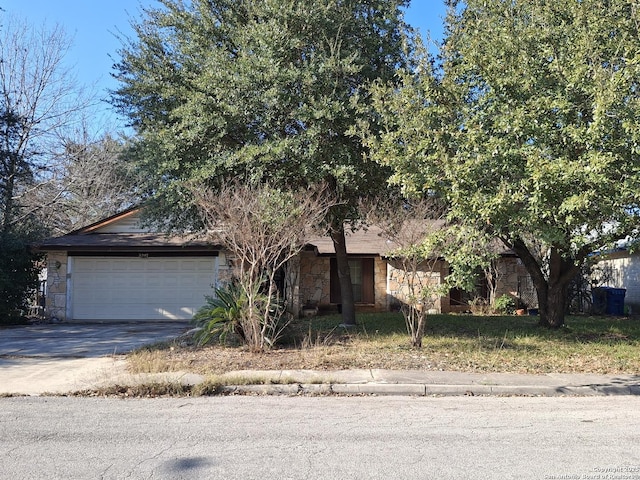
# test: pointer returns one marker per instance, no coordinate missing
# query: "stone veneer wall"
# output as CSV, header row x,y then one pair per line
x,y
398,289
509,270
225,270
380,267
315,282
56,300
313,285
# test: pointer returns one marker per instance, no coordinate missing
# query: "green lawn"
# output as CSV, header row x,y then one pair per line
x,y
501,343
607,345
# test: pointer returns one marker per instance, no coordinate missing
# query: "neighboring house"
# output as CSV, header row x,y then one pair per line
x,y
117,270
620,268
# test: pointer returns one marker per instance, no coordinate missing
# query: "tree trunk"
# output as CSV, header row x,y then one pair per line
x,y
9,187
556,301
344,275
552,292
561,271
551,302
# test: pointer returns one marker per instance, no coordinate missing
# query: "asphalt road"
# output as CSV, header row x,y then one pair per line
x,y
321,437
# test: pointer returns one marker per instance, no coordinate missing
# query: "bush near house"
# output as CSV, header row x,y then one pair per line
x,y
18,275
505,305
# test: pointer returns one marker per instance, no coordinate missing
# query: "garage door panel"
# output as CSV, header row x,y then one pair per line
x,y
133,288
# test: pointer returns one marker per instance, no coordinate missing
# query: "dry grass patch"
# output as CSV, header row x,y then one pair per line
x,y
604,345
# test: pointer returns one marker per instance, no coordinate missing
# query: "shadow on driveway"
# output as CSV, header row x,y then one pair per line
x,y
85,340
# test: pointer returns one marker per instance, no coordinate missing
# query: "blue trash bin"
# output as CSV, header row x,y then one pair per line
x,y
615,301
599,300
608,300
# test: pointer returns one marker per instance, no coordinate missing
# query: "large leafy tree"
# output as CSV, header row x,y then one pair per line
x,y
260,90
528,125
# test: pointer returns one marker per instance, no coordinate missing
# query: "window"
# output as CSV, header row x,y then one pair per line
x,y
361,270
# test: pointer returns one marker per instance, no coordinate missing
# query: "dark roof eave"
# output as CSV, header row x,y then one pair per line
x,y
125,248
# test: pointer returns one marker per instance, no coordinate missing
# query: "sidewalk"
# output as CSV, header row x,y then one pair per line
x,y
46,376
421,383
58,359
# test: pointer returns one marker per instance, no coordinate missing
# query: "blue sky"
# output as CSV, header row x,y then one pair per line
x,y
94,24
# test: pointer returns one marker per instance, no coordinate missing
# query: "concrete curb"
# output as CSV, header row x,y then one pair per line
x,y
47,377
418,390
398,383
430,383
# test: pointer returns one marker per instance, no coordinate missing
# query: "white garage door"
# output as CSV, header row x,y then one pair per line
x,y
132,288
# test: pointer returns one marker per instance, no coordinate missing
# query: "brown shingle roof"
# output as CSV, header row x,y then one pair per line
x,y
361,242
369,241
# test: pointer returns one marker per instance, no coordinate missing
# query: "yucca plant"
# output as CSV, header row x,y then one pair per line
x,y
221,315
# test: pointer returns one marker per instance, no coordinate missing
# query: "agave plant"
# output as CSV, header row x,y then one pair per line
x,y
221,315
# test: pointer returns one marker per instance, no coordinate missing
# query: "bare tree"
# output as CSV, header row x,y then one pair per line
x,y
39,100
264,228
425,244
89,180
493,274
414,227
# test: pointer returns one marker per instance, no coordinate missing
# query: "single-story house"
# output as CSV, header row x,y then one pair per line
x,y
116,269
379,281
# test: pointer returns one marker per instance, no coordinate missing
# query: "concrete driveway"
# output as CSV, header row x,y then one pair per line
x,y
59,358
